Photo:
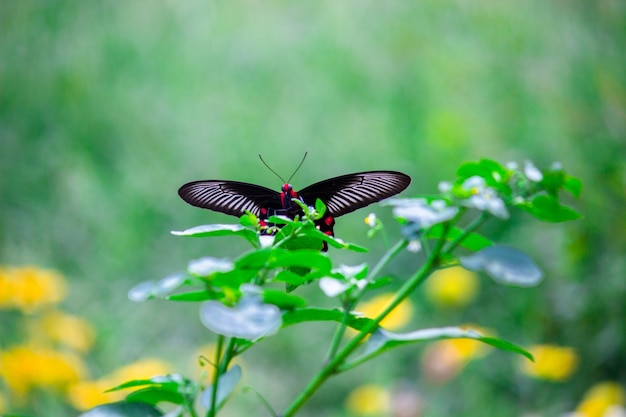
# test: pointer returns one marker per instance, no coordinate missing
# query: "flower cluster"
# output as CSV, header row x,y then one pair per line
x,y
47,355
50,355
552,363
29,288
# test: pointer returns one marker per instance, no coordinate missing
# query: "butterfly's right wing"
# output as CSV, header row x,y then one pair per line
x,y
229,197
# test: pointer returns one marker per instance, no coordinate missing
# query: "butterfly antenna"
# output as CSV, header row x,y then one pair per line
x,y
274,172
301,162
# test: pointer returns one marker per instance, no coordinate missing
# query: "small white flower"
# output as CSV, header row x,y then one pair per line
x,y
438,204
487,199
512,165
474,184
333,287
556,166
266,240
208,265
370,220
532,172
414,246
444,186
419,212
350,271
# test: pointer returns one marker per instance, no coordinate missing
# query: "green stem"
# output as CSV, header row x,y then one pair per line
x,y
340,331
216,375
223,358
349,305
333,366
387,257
468,231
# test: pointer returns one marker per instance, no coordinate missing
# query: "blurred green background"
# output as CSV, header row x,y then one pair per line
x,y
106,108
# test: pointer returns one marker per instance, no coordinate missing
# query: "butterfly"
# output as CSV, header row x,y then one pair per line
x,y
341,195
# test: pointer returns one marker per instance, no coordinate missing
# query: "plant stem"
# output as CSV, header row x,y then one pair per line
x,y
387,257
468,230
333,366
349,305
224,356
216,375
339,331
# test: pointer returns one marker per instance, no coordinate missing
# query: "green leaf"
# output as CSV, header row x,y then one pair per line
x,y
317,314
555,181
234,278
249,220
154,395
473,241
213,230
506,265
383,340
320,207
548,209
289,277
255,259
226,385
380,282
193,296
492,171
288,232
123,409
170,382
552,182
280,220
333,241
300,258
282,300
573,185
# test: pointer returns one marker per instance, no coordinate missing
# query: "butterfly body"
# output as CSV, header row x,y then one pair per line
x,y
341,195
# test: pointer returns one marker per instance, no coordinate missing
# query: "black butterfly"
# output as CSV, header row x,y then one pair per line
x,y
341,195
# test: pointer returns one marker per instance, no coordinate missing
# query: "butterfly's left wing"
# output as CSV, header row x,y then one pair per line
x,y
229,197
351,192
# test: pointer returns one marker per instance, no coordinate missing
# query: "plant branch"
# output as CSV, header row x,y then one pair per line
x,y
335,363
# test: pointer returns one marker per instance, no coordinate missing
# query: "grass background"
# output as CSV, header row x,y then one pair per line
x,y
106,108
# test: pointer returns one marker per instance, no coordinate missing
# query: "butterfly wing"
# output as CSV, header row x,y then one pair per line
x,y
229,197
351,192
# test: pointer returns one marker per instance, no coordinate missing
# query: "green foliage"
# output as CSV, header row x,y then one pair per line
x,y
244,307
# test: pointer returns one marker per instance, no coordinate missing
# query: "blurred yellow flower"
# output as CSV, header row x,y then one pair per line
x,y
552,363
25,367
142,369
600,398
5,288
88,394
368,400
28,288
452,287
444,359
67,330
399,317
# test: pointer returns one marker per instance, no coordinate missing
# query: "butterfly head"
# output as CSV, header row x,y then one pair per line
x,y
288,191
